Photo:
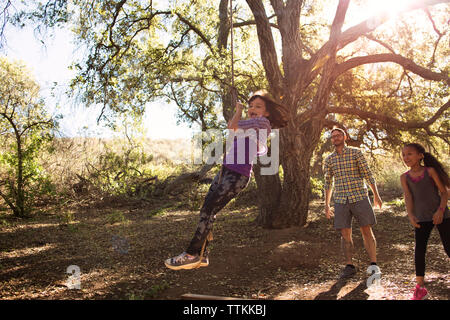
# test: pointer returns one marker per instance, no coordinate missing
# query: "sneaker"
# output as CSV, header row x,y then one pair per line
x,y
184,261
348,272
372,269
420,293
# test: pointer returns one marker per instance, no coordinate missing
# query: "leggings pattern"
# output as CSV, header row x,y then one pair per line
x,y
231,184
422,235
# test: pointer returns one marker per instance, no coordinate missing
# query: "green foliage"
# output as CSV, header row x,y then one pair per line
x,y
317,187
27,130
393,91
120,173
116,217
398,204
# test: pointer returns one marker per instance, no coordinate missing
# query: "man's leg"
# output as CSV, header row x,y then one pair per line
x,y
347,249
365,216
370,242
347,245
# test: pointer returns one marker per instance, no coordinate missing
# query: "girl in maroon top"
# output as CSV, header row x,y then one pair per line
x,y
425,190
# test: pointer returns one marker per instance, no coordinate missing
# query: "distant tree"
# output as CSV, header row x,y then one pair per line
x,y
24,126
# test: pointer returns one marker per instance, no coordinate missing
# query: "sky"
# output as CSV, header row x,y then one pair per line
x,y
49,64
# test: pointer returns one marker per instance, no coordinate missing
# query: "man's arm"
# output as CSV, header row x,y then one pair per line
x,y
367,174
328,184
328,211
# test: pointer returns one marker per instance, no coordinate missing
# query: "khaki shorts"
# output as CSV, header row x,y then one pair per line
x,y
361,210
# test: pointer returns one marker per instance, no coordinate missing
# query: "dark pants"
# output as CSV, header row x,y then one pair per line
x,y
422,235
219,194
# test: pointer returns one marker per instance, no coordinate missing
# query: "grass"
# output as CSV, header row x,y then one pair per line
x,y
398,204
116,216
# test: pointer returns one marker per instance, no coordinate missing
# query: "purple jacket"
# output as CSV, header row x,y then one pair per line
x,y
245,147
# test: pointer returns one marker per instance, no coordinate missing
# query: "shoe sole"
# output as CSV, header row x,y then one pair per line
x,y
187,266
184,267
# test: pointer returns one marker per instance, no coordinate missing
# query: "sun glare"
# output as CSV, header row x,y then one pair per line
x,y
372,10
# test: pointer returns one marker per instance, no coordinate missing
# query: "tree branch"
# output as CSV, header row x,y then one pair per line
x,y
288,20
322,96
267,46
406,63
353,33
366,115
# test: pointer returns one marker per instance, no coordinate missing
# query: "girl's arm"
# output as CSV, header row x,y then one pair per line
x,y
439,214
233,123
408,201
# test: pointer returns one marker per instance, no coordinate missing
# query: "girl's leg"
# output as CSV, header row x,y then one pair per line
x,y
444,232
422,235
232,183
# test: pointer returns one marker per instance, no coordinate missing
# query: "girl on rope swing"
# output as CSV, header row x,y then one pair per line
x,y
263,114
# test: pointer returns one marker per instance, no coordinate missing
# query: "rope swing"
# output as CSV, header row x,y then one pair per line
x,y
209,237
233,88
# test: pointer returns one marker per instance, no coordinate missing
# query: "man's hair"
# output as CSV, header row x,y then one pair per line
x,y
340,130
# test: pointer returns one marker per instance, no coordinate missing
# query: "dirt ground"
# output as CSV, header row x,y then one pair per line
x,y
120,248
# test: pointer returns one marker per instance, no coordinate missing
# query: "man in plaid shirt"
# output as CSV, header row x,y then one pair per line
x,y
349,169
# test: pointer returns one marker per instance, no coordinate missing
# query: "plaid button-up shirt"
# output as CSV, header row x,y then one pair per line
x,y
349,170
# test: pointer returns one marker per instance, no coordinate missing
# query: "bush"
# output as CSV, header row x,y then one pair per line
x,y
317,188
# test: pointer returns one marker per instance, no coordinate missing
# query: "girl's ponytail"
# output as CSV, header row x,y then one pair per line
x,y
430,161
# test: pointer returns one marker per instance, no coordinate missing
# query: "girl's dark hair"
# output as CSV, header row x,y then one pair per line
x,y
430,161
278,114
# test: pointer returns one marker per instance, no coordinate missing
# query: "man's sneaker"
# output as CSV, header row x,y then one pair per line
x,y
372,269
420,293
184,261
347,272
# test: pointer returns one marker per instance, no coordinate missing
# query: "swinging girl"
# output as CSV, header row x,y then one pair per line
x,y
263,114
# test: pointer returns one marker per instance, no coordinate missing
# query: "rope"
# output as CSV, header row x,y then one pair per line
x,y
209,237
233,89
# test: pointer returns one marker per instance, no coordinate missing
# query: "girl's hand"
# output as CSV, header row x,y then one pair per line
x,y
239,107
438,217
413,221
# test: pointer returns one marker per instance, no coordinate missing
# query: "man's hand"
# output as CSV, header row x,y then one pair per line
x,y
377,201
329,212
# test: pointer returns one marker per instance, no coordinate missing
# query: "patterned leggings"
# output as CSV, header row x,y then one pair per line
x,y
231,184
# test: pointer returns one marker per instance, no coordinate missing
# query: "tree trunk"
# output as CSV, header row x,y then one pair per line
x,y
285,203
20,196
269,191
